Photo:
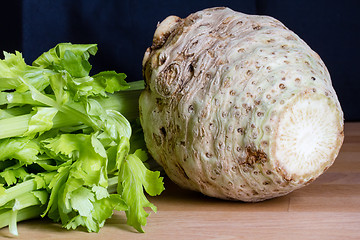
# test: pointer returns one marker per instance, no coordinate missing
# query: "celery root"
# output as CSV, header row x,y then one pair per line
x,y
237,106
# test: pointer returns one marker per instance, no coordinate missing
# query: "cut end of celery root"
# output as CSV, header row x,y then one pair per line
x,y
308,137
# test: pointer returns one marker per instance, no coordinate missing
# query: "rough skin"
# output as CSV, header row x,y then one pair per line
x,y
217,84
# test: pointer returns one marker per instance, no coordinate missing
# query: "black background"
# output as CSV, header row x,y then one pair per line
x,y
123,29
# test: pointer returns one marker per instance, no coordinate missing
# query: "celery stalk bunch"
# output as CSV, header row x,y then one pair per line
x,y
68,149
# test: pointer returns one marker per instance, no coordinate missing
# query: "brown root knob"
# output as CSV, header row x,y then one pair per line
x,y
164,29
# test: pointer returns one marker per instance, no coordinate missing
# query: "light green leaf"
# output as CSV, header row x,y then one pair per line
x,y
112,81
11,175
41,121
122,152
42,196
100,192
38,95
90,224
117,125
76,65
23,149
103,209
133,178
11,68
55,186
82,200
141,154
14,72
52,58
58,85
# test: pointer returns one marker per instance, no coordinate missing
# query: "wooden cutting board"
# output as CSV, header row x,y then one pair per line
x,y
329,208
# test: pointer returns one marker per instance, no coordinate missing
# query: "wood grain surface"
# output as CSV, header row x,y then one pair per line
x,y
329,208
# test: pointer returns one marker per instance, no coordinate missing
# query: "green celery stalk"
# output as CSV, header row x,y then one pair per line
x,y
17,190
22,214
125,102
72,146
